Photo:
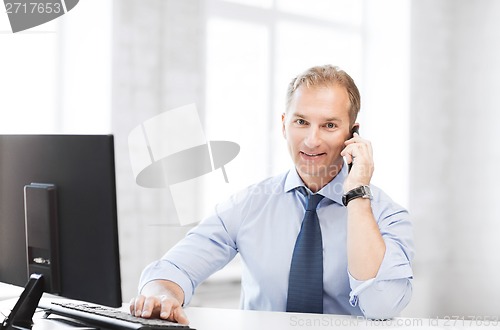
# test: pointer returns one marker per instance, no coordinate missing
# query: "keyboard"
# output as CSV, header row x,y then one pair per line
x,y
108,318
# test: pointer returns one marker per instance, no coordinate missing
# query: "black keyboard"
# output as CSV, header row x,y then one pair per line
x,y
108,318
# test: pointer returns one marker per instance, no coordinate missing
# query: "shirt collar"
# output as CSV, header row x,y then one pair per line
x,y
333,190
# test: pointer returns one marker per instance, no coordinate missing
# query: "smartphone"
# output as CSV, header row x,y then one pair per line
x,y
355,129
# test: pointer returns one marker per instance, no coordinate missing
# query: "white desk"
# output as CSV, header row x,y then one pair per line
x,y
8,291
231,319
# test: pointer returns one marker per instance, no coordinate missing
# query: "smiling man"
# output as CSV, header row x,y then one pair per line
x,y
318,238
316,125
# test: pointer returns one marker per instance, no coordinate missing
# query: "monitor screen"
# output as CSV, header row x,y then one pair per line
x,y
81,170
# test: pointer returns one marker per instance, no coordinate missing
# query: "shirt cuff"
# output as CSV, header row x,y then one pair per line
x,y
394,266
357,287
165,270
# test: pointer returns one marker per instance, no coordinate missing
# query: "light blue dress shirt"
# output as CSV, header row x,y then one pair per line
x,y
262,223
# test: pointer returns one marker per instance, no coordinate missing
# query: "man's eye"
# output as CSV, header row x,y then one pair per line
x,y
330,125
300,121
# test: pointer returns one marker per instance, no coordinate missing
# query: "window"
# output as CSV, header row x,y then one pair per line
x,y
28,84
254,48
56,77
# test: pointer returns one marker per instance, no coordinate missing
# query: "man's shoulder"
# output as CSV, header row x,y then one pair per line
x,y
273,182
383,202
254,196
266,188
380,195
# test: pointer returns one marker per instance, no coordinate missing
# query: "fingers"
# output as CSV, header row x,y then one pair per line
x,y
180,316
357,147
167,307
351,140
359,152
136,305
171,309
163,307
358,141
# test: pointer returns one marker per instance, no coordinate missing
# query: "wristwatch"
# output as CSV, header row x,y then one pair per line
x,y
361,191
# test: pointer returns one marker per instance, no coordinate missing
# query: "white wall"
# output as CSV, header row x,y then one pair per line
x,y
454,157
157,66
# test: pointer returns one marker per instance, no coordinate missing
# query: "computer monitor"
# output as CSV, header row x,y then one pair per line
x,y
74,179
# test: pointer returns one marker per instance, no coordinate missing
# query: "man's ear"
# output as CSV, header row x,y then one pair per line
x,y
355,129
283,124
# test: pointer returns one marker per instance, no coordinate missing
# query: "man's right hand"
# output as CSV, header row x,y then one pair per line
x,y
160,299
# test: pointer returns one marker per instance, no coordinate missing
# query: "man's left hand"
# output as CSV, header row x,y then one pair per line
x,y
359,152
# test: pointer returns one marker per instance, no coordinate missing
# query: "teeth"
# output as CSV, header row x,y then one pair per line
x,y
311,155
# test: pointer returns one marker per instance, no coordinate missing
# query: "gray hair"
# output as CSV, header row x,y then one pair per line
x,y
327,75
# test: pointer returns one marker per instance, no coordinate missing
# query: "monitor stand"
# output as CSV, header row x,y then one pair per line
x,y
21,316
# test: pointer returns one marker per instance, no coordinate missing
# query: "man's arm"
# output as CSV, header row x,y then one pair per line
x,y
168,284
160,299
389,291
378,257
365,246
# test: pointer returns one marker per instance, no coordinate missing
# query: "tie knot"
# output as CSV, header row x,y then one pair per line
x,y
313,201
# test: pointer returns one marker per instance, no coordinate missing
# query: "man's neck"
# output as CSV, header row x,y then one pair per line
x,y
316,182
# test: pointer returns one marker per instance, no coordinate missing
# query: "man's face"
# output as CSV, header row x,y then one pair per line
x,y
315,127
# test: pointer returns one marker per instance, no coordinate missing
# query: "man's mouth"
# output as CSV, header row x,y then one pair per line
x,y
312,154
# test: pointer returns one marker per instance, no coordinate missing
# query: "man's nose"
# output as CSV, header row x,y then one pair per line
x,y
313,138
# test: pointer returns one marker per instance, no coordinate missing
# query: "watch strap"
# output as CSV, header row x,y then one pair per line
x,y
359,192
